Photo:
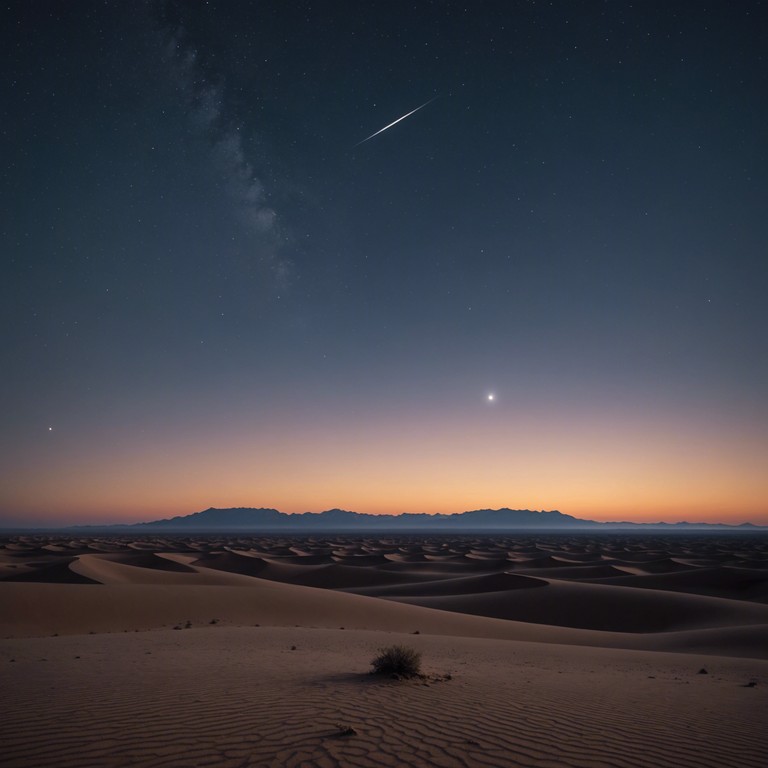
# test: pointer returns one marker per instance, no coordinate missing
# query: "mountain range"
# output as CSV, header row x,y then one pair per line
x,y
340,520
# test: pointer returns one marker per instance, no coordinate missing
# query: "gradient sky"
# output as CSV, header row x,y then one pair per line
x,y
213,295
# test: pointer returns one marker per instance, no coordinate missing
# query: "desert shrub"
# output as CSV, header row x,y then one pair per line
x,y
397,660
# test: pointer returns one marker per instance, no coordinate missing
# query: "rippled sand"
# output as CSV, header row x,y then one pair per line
x,y
562,650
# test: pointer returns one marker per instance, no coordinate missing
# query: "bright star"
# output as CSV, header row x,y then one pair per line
x,y
491,397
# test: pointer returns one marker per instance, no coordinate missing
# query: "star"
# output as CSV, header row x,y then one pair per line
x,y
491,397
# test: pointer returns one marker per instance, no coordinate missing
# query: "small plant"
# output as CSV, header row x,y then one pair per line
x,y
397,661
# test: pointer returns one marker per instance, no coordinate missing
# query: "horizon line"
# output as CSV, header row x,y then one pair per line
x,y
569,521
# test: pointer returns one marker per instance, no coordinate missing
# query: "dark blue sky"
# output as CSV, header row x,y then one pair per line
x,y
211,294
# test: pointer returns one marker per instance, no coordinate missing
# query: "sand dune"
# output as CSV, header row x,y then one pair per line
x,y
579,572
625,584
461,585
728,582
568,651
110,571
588,606
45,609
60,572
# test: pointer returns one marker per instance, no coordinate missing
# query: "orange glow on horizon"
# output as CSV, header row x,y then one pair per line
x,y
656,472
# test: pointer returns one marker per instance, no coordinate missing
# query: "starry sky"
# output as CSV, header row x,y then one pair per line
x,y
213,294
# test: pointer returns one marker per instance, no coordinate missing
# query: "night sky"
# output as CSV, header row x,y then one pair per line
x,y
213,294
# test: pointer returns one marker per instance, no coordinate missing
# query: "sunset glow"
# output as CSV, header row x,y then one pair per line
x,y
540,291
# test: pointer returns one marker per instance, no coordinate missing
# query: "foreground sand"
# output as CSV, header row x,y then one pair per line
x,y
562,651
239,697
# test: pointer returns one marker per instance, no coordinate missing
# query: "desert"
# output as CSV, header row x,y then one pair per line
x,y
246,650
384,384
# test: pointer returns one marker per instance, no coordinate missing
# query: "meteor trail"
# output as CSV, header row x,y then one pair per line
x,y
381,130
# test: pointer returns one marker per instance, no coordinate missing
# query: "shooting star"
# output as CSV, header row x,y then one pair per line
x,y
381,130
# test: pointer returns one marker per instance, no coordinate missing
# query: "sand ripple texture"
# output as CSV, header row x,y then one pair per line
x,y
237,697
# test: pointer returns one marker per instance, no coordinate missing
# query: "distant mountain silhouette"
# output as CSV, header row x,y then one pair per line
x,y
256,520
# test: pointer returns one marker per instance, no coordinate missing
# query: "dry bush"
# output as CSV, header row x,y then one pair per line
x,y
397,660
